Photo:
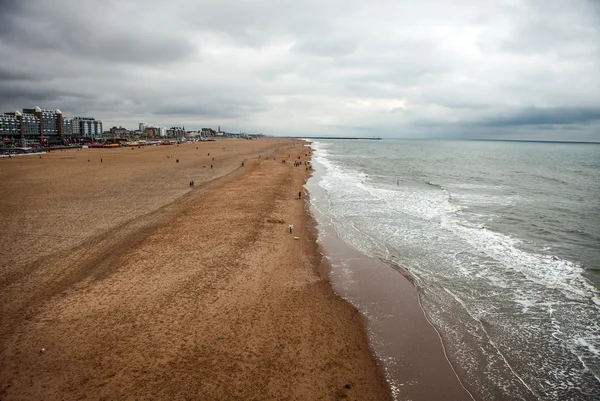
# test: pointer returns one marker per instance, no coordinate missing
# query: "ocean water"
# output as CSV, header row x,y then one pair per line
x,y
502,240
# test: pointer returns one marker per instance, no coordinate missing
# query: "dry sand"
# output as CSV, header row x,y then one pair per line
x,y
139,287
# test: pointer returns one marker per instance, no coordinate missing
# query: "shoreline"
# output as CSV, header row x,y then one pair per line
x,y
408,347
213,298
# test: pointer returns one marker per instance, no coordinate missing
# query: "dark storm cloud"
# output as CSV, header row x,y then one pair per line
x,y
9,74
38,95
344,67
551,116
74,31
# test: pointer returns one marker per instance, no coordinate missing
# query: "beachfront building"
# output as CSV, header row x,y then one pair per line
x,y
208,132
10,126
193,134
176,132
119,132
30,124
36,125
19,125
50,123
87,127
152,131
67,127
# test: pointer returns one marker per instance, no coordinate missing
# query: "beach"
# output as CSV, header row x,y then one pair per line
x,y
485,233
119,280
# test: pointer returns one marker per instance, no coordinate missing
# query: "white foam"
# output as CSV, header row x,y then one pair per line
x,y
590,347
486,272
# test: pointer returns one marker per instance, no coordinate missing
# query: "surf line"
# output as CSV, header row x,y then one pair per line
x,y
486,334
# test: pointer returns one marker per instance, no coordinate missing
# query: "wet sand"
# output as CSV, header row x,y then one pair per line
x,y
138,286
410,349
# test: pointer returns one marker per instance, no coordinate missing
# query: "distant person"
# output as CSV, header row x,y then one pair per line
x,y
300,195
291,227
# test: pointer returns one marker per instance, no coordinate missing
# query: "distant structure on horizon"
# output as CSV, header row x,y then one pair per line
x,y
44,127
150,130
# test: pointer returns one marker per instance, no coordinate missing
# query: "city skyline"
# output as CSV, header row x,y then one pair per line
x,y
473,69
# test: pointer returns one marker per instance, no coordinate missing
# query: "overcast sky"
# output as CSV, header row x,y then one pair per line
x,y
391,68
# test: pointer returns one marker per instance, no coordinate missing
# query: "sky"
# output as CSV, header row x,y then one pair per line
x,y
399,68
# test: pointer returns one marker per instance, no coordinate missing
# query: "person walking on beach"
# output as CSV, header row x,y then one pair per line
x,y
291,227
299,194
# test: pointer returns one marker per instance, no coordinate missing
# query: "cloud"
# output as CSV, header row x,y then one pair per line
x,y
446,69
543,117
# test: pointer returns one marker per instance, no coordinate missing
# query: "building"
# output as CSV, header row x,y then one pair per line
x,y
87,127
50,122
46,126
30,125
67,127
19,125
151,130
10,125
208,132
119,131
176,132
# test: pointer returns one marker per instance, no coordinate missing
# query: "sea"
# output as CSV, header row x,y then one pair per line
x,y
501,240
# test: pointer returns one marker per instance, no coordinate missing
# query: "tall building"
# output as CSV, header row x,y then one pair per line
x,y
87,127
30,125
10,126
47,126
21,125
176,132
67,127
50,121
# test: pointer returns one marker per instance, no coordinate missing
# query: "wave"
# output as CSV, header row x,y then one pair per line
x,y
442,245
434,185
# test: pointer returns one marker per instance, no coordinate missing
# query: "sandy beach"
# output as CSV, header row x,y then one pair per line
x,y
138,286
